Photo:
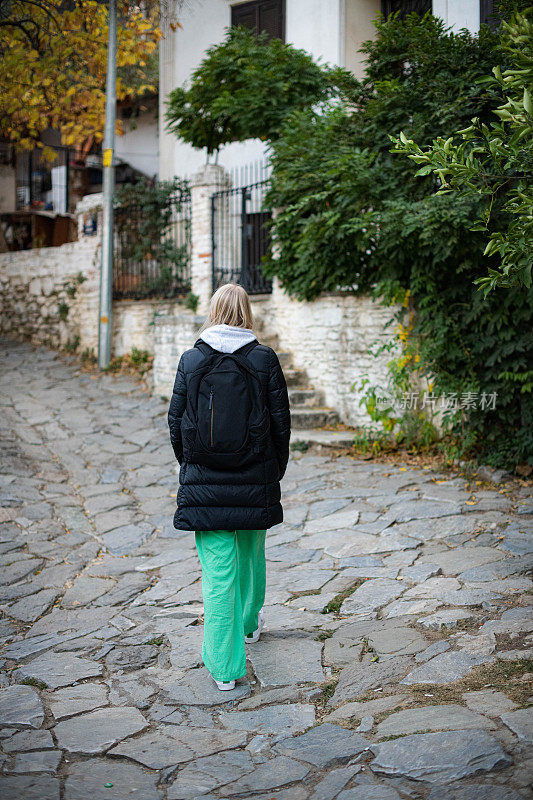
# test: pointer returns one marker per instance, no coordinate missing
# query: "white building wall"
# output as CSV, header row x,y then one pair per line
x,y
315,26
458,14
331,30
359,16
139,145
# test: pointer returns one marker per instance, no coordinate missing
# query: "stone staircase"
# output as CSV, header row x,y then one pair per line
x,y
309,414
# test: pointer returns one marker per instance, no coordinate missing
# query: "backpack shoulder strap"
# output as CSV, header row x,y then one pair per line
x,y
247,348
204,348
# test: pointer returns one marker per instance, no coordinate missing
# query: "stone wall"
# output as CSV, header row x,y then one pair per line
x,y
173,335
329,338
35,293
134,323
36,301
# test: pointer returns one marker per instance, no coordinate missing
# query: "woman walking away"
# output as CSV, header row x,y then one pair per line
x,y
230,427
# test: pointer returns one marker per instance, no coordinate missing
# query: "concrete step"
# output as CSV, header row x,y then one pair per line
x,y
306,397
295,377
303,418
308,437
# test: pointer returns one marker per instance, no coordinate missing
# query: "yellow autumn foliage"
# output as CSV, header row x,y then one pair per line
x,y
61,85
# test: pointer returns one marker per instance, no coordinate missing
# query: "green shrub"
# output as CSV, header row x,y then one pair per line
x,y
495,162
191,302
353,215
245,87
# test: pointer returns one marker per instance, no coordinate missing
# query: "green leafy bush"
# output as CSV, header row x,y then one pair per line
x,y
337,193
245,87
353,215
191,302
495,162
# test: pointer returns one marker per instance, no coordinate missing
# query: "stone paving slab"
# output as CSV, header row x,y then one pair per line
x,y
440,757
433,718
20,707
59,670
281,662
361,676
334,781
75,700
99,730
290,718
196,688
368,792
481,792
29,787
211,772
521,723
37,761
323,746
171,745
445,668
385,588
27,740
276,772
105,779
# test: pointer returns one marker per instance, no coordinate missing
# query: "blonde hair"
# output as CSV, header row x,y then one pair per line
x,y
230,305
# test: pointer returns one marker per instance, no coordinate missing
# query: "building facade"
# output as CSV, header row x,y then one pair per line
x,y
332,31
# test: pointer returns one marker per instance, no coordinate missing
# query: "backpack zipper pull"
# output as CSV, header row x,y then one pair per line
x,y
211,398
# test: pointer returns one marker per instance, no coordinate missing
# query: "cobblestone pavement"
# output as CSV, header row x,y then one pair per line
x,y
414,684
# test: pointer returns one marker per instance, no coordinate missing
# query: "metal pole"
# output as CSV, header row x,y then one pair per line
x,y
106,269
244,240
213,245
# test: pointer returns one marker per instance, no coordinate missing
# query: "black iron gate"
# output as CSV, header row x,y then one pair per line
x,y
152,248
240,237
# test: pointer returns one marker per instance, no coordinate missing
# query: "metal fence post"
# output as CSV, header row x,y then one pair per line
x,y
240,237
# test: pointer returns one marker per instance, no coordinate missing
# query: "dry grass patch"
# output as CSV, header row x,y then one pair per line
x,y
503,676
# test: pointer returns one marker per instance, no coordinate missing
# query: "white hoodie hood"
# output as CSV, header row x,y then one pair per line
x,y
227,338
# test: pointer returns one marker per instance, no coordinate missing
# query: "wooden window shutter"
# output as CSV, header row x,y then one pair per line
x,y
261,15
245,14
271,18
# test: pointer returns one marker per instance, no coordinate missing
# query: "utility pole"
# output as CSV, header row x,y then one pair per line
x,y
106,268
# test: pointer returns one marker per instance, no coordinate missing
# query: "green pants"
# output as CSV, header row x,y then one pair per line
x,y
233,588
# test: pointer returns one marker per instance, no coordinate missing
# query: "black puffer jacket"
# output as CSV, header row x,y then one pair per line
x,y
246,498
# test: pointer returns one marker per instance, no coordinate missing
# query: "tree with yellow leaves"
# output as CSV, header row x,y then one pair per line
x,y
53,67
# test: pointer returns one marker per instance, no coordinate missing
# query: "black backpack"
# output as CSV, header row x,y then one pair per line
x,y
226,421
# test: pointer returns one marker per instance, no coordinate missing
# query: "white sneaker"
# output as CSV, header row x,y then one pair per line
x,y
225,686
257,633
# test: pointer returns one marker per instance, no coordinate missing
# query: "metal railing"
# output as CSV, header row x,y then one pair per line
x,y
240,236
152,249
